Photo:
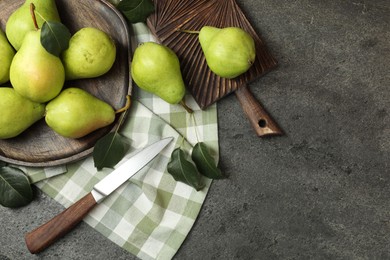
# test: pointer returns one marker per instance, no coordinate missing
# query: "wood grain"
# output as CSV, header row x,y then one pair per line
x,y
39,145
45,235
261,121
173,16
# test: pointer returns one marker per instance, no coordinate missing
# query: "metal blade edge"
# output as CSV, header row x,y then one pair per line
x,y
125,171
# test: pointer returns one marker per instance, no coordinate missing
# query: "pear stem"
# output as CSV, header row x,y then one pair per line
x,y
126,107
187,108
32,12
187,31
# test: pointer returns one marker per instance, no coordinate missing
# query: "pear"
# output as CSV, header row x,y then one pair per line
x,y
17,113
156,69
75,113
20,22
6,55
35,73
91,53
229,52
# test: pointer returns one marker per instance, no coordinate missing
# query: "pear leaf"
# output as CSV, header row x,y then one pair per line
x,y
184,170
55,37
136,10
109,150
15,188
205,162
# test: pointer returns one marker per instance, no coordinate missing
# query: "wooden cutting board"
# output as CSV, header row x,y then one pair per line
x,y
172,16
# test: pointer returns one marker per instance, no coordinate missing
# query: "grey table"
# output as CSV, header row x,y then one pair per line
x,y
322,190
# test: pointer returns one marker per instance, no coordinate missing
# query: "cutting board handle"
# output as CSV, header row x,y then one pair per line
x,y
259,118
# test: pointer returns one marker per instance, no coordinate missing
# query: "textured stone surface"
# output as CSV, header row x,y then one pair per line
x,y
319,192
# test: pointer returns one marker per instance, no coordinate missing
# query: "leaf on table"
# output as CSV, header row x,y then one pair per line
x,y
55,37
109,150
15,188
205,162
136,10
184,170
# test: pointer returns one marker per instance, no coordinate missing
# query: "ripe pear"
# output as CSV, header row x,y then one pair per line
x,y
229,52
75,113
6,55
91,53
156,69
17,113
20,22
35,73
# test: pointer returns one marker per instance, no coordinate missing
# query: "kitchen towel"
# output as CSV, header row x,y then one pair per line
x,y
151,214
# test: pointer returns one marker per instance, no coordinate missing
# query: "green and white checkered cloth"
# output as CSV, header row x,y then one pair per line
x,y
151,215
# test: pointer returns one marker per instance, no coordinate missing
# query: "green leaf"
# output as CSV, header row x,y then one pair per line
x,y
2,164
205,162
55,37
15,188
184,170
136,10
109,150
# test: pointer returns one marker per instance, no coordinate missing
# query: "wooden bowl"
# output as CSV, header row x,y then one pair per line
x,y
40,146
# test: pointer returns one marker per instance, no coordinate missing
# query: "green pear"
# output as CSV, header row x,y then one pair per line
x,y
229,52
35,73
6,55
20,21
17,113
75,113
156,69
91,53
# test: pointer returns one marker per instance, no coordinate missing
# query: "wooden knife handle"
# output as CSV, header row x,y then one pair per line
x,y
259,118
48,233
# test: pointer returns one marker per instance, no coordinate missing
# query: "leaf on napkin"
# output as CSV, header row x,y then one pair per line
x,y
205,162
184,170
136,10
15,188
109,150
55,37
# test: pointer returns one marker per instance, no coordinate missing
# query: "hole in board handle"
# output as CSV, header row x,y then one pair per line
x,y
262,123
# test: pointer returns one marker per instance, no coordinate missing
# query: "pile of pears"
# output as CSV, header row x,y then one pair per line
x,y
229,52
32,79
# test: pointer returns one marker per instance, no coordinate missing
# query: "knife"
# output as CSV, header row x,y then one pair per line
x,y
45,235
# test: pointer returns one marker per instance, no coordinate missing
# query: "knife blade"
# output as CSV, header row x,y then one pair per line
x,y
46,234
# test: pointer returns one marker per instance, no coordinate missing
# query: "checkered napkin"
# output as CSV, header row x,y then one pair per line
x,y
151,214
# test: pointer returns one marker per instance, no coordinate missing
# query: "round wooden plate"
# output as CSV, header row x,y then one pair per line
x,y
39,145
